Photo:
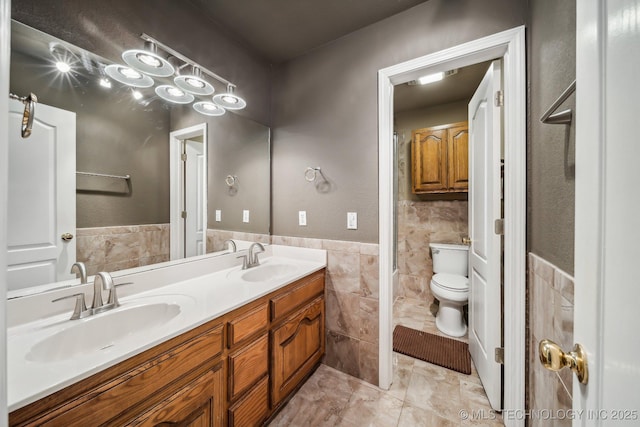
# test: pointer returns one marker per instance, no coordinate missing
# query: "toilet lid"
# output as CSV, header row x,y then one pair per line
x,y
452,282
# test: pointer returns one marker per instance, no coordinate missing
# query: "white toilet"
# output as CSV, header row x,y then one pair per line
x,y
450,286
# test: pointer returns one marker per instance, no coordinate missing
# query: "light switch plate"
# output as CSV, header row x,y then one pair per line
x,y
218,215
352,220
245,215
302,218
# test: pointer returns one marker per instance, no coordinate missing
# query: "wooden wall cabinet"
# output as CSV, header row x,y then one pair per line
x,y
440,159
236,370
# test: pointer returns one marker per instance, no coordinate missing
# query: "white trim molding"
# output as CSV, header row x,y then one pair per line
x,y
509,45
176,234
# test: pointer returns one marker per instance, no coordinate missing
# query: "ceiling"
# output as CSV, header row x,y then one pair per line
x,y
457,87
281,30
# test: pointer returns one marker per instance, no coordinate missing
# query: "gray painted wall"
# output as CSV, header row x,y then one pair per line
x,y
551,153
237,146
325,112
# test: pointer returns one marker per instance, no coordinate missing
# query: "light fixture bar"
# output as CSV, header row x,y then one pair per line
x,y
180,56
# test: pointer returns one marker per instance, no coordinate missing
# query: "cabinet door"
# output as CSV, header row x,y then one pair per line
x,y
297,345
198,404
429,160
458,142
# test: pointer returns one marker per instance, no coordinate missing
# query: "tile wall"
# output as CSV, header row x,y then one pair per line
x,y
216,238
420,223
120,247
550,316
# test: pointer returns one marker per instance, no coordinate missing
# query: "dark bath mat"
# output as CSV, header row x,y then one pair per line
x,y
446,352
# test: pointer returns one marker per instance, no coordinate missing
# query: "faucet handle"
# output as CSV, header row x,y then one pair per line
x,y
113,296
80,310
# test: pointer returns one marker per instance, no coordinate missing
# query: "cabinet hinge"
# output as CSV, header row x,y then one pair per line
x,y
183,157
499,226
499,99
183,214
500,355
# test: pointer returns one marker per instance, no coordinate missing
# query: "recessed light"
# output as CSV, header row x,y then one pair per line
x,y
105,82
137,94
431,78
63,67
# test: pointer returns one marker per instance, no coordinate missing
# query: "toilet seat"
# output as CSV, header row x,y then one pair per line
x,y
451,282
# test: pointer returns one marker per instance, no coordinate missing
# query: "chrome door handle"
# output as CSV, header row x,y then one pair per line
x,y
554,358
67,236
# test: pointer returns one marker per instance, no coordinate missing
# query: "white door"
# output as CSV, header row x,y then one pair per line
x,y
41,198
194,173
484,252
607,287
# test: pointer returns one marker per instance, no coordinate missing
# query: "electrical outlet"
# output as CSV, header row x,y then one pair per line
x,y
218,215
352,220
302,218
245,215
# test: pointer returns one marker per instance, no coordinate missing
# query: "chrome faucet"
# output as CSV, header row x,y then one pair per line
x,y
233,245
105,283
253,256
81,269
251,259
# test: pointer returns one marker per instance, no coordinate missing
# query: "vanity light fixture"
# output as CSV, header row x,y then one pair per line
x,y
208,108
194,83
230,100
173,94
128,76
148,61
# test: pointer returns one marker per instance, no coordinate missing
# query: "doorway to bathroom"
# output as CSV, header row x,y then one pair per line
x,y
188,200
508,46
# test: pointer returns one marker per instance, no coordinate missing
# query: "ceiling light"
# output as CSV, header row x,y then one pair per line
x,y
137,95
105,82
431,78
128,76
229,100
148,61
173,94
208,108
194,83
63,67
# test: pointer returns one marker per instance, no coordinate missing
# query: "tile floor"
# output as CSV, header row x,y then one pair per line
x,y
422,394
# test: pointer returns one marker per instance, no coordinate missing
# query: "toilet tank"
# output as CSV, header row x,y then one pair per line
x,y
449,258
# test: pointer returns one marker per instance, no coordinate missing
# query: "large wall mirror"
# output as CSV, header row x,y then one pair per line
x,y
130,198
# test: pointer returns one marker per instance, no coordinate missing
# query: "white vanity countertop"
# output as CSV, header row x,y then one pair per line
x,y
202,298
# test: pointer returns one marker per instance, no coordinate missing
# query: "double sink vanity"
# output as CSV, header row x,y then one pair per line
x,y
199,342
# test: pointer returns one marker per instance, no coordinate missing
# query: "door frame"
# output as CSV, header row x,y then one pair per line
x,y
510,45
176,191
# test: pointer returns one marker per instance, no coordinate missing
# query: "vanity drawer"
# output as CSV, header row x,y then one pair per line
x,y
247,324
253,408
248,365
309,288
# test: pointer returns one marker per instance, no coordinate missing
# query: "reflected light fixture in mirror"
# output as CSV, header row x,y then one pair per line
x,y
208,108
173,94
229,100
194,83
128,76
148,61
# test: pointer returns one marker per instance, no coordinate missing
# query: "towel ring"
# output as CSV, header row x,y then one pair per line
x,y
231,180
310,173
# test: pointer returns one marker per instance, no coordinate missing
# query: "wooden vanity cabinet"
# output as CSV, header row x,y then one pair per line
x,y
235,370
440,159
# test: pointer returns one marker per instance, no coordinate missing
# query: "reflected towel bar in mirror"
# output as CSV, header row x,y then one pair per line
x,y
125,177
563,117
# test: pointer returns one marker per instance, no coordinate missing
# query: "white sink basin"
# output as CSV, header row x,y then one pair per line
x,y
102,331
268,272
